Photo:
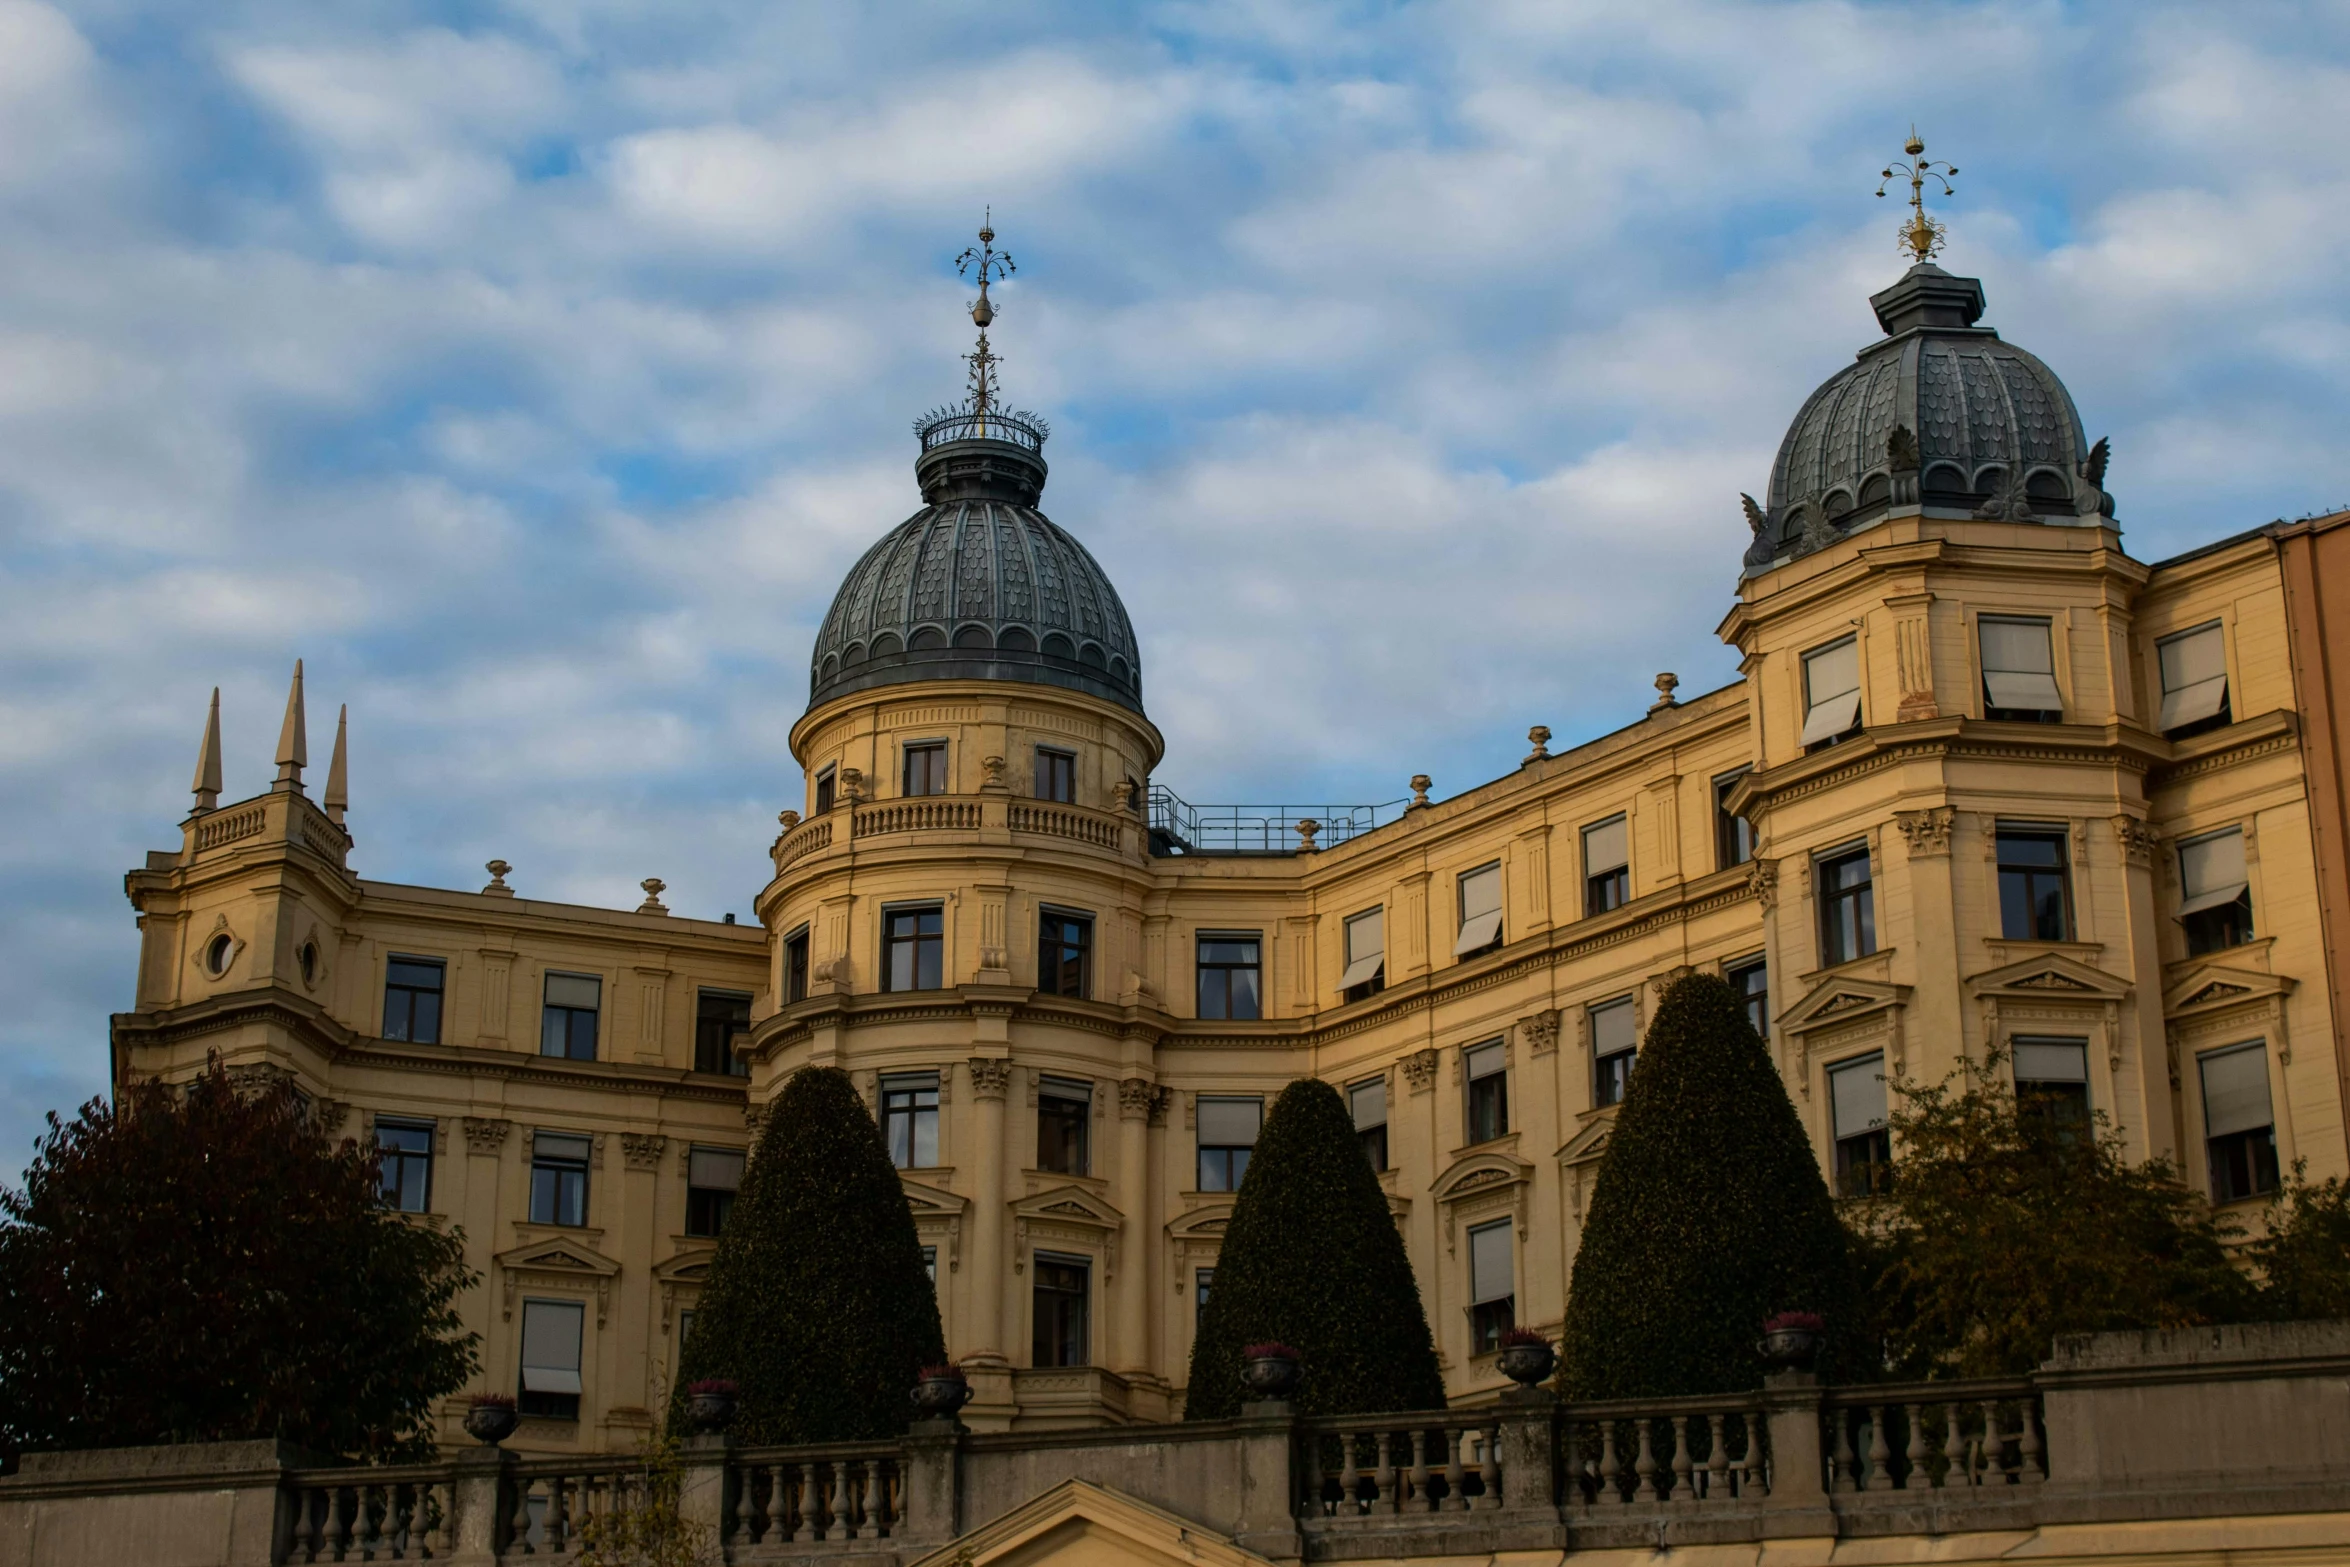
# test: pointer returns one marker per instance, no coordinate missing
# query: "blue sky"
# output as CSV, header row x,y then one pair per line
x,y
535,371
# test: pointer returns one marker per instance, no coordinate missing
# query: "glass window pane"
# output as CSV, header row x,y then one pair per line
x,y
1243,993
1857,1090
426,976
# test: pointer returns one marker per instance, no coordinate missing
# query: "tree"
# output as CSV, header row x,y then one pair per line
x,y
2004,1226
818,1306
1312,1260
1708,1216
2303,1257
206,1266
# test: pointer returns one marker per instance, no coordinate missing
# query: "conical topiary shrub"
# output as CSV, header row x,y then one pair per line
x,y
817,1305
1312,1260
1708,1216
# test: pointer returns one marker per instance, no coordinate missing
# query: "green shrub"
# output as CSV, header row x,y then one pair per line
x,y
1708,1215
817,1305
1312,1259
2304,1255
2004,1228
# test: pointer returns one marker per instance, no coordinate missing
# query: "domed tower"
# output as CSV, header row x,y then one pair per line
x,y
958,918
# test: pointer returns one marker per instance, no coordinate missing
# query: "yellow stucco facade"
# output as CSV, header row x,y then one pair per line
x,y
261,944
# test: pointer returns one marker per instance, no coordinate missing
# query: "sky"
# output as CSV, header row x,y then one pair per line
x,y
535,371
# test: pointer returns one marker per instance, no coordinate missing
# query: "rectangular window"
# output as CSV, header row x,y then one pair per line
x,y
1366,956
1201,1279
2194,668
1615,1044
567,1022
1060,1298
551,1332
2239,1127
930,1264
1733,834
558,1179
1752,980
719,1015
2019,670
1848,908
795,966
1368,1101
1487,1069
1056,776
406,1152
826,783
1064,948
1064,1113
1229,975
2052,1079
712,1177
926,769
1607,866
1831,693
2216,892
1493,1289
1864,1148
412,1000
2035,902
1480,892
1227,1133
909,1119
913,953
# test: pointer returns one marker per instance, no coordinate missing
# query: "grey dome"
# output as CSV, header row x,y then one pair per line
x,y
1941,414
978,584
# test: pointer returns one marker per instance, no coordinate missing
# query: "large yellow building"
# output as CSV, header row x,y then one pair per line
x,y
1985,780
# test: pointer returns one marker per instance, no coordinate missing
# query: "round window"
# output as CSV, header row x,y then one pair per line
x,y
307,957
217,955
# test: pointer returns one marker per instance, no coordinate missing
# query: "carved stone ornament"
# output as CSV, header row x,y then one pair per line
x,y
485,1136
991,781
1135,1098
643,1150
852,784
1419,1071
1421,783
1926,832
1539,736
2136,838
329,1114
990,1077
789,819
1762,883
755,1121
1541,1032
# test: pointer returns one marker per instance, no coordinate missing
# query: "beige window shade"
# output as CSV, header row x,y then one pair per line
x,y
1489,1264
1613,1028
715,1169
2235,1090
2194,676
1606,847
1831,691
575,990
1366,948
2211,871
2051,1061
1480,910
2019,667
550,1346
1368,1101
1857,1090
1485,1060
555,1145
1230,1123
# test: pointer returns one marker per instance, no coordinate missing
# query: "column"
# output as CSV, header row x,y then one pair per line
x,y
1130,1355
989,1078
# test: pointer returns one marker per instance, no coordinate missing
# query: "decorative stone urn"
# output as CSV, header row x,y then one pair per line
x,y
1791,1339
710,1405
1269,1371
491,1420
1528,1359
941,1391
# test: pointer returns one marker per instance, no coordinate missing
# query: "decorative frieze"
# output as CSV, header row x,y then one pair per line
x,y
990,1076
1419,1071
483,1136
642,1150
1541,1032
1926,832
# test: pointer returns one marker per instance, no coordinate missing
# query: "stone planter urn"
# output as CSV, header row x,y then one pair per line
x,y
1269,1371
710,1405
941,1391
491,1420
1526,1360
1791,1339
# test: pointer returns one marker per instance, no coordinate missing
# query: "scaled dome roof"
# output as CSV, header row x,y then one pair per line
x,y
978,584
1940,413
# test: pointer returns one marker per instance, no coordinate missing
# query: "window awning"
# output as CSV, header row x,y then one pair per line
x,y
1830,718
547,1379
1857,1089
2025,690
2235,1090
2211,872
2190,704
1478,932
1361,971
2218,897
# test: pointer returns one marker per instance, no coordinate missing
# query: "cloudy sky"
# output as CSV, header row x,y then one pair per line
x,y
536,370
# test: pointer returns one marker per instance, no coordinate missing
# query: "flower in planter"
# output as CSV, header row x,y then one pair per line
x,y
493,1401
711,1387
1796,1322
942,1374
1270,1352
1516,1337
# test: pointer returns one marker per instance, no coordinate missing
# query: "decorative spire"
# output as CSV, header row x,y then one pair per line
x,y
984,264
1921,236
338,770
293,741
207,784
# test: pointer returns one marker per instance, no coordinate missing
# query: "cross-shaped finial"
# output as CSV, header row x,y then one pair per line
x,y
1921,236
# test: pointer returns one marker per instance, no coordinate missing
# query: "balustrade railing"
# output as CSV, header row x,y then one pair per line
x,y
1933,1436
372,1515
797,1494
1359,1465
1684,1450
1060,821
803,840
554,1501
920,815
230,826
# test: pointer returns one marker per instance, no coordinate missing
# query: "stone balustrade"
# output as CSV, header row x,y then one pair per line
x,y
868,821
799,1495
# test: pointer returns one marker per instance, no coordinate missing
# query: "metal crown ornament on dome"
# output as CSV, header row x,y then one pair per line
x,y
1921,235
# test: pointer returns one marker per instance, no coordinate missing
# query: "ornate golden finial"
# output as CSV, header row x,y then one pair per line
x,y
1921,236
987,265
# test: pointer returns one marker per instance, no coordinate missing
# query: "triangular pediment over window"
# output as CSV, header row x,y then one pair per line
x,y
1079,1524
2216,986
1841,999
558,1256
2048,974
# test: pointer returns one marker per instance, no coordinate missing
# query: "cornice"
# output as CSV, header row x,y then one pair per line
x,y
2124,746
2264,734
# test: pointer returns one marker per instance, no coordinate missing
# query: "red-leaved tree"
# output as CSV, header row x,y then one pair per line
x,y
202,1264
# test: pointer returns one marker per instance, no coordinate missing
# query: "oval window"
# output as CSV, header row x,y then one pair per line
x,y
217,955
307,957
